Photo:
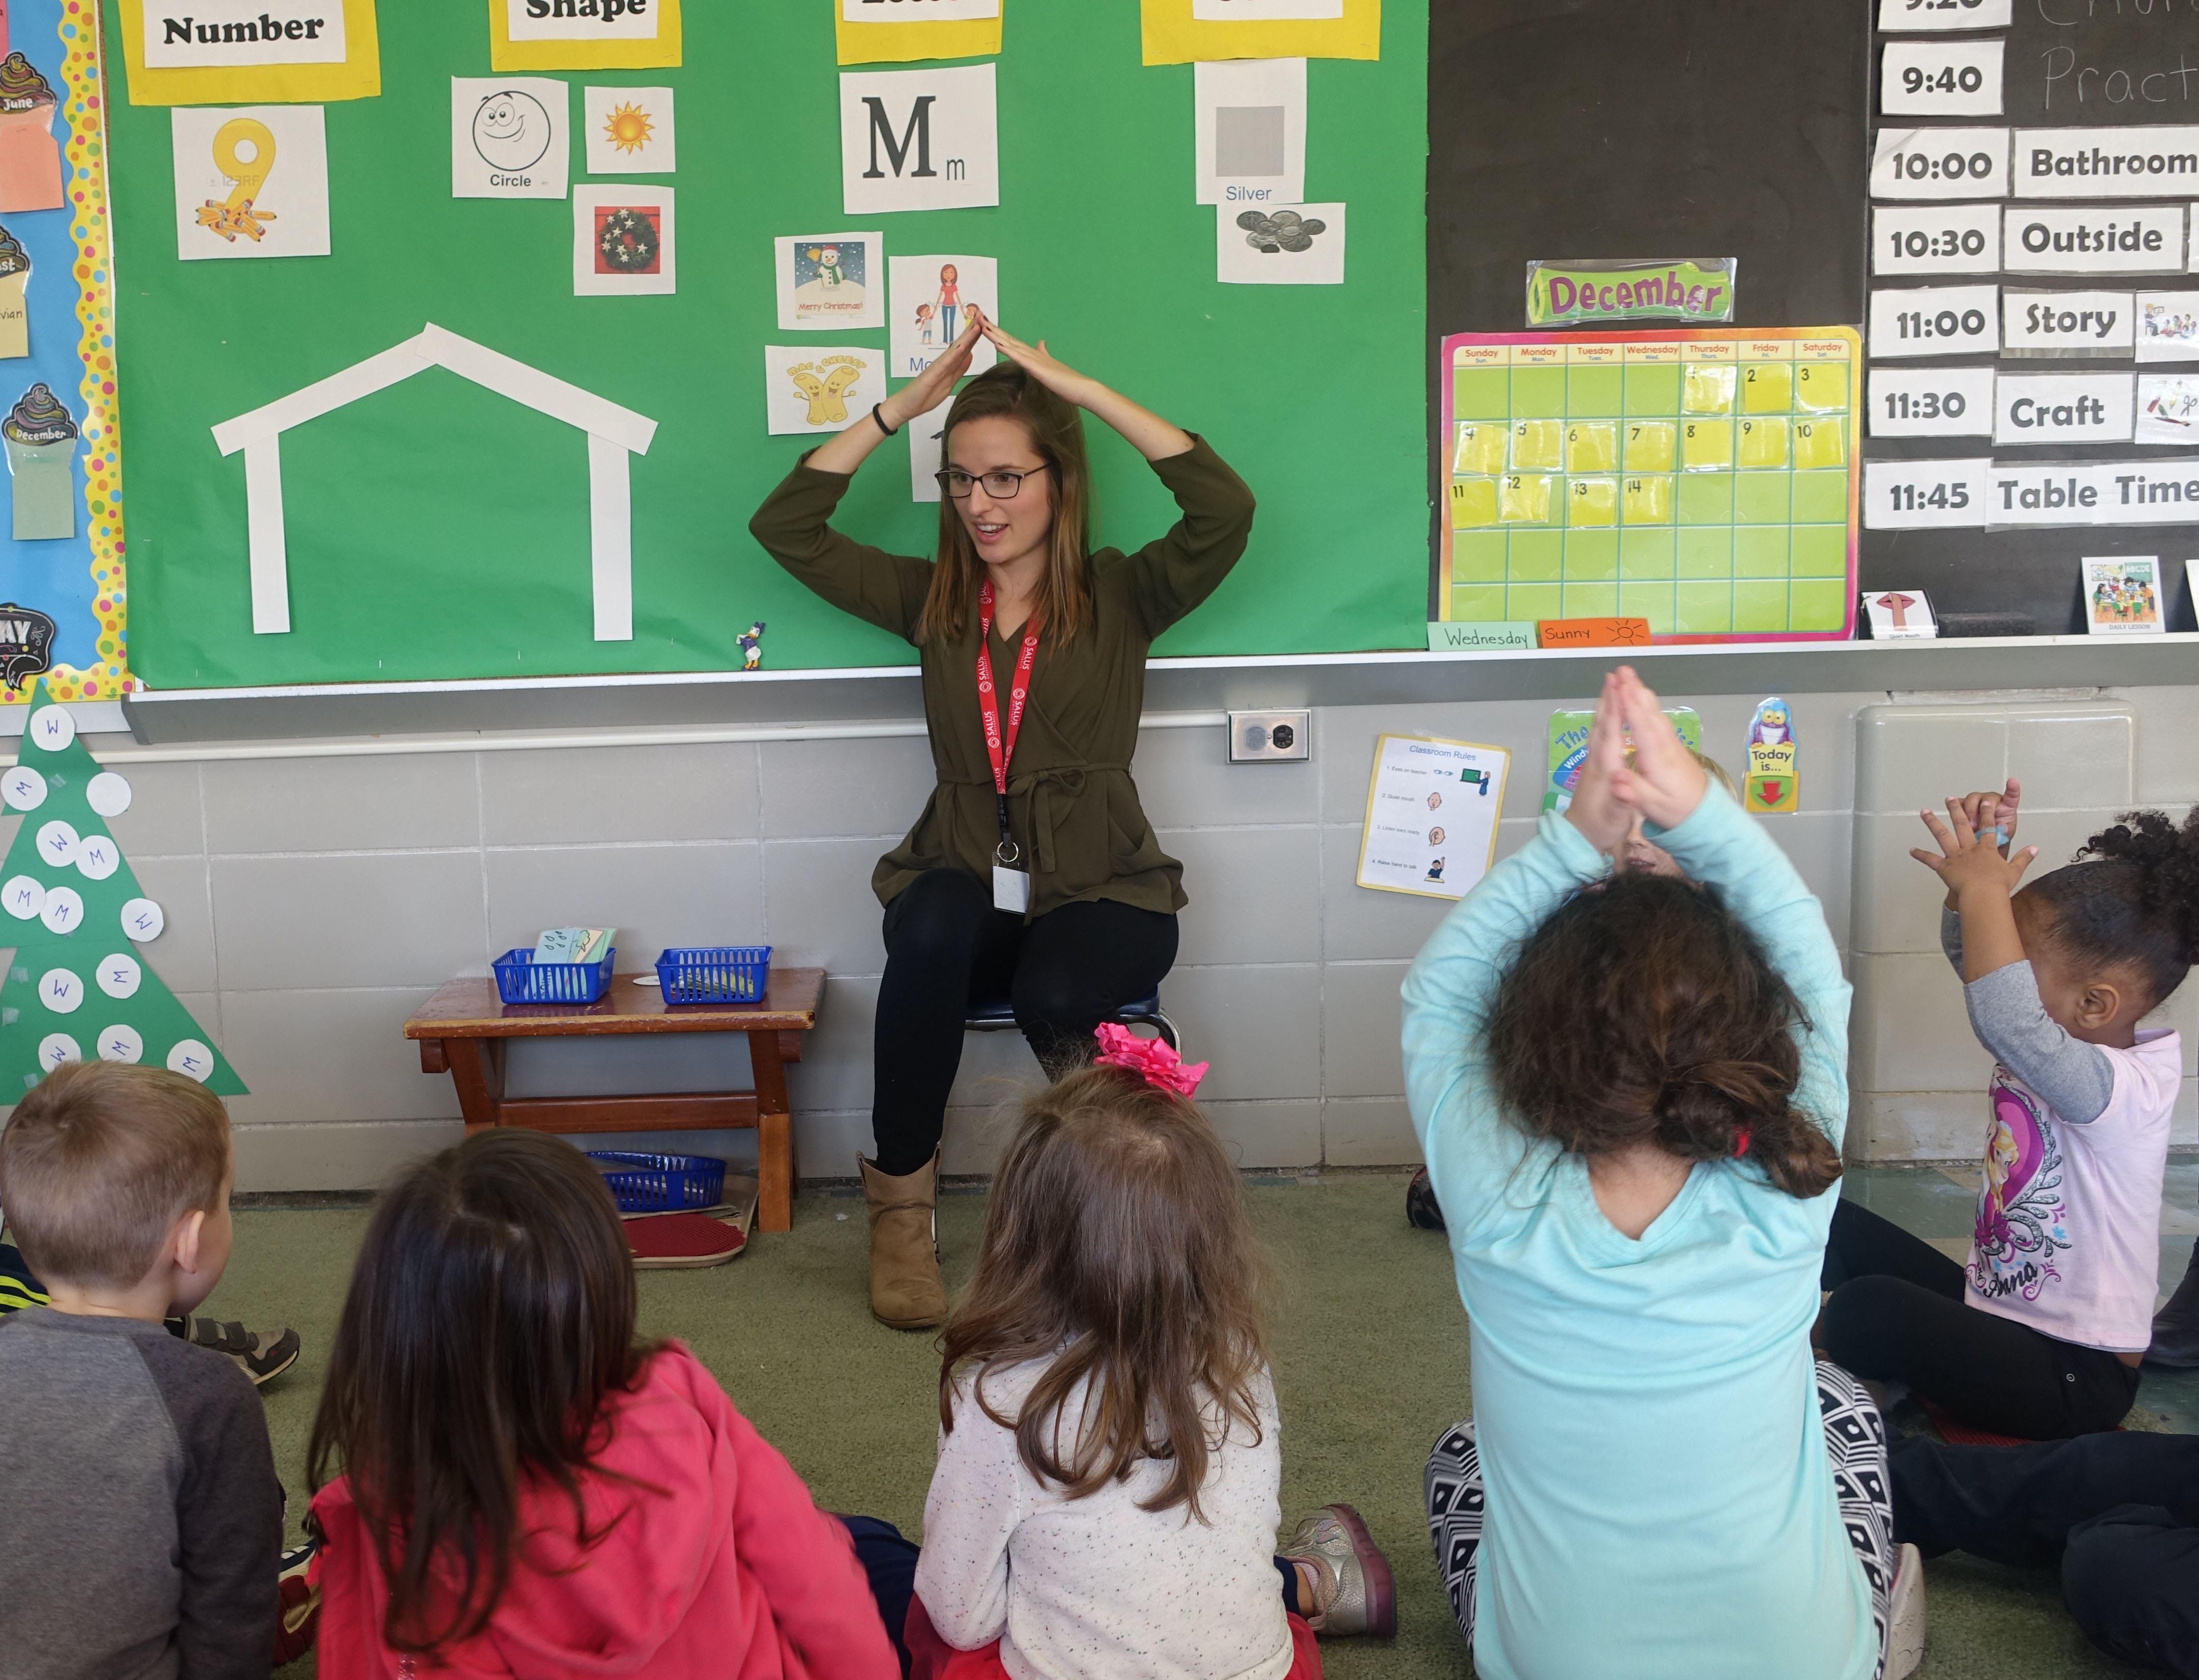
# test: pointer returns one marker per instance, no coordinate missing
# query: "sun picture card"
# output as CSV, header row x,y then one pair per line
x,y
509,136
623,241
814,390
1292,245
628,131
830,281
250,182
930,297
2124,596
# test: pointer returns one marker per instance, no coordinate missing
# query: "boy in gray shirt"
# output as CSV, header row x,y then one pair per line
x,y
137,1485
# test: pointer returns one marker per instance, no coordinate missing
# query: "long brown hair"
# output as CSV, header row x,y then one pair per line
x,y
490,1317
1056,430
1643,1011
1118,1247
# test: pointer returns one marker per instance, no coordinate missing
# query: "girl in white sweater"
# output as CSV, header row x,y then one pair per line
x,y
1107,1493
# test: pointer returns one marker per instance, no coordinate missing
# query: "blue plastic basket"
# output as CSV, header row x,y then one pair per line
x,y
521,979
715,973
661,1184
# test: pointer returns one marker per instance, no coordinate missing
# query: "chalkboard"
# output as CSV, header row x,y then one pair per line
x,y
436,530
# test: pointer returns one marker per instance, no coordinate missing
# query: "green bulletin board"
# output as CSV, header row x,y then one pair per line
x,y
436,530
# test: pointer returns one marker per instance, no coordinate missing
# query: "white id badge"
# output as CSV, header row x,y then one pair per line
x,y
1010,889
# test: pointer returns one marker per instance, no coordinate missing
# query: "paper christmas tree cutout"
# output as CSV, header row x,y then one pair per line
x,y
79,986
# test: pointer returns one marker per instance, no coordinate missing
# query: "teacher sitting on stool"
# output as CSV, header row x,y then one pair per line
x,y
1032,870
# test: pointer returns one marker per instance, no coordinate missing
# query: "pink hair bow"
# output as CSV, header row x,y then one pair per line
x,y
1151,1058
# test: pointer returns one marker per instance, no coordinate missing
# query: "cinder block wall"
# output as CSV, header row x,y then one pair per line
x,y
312,904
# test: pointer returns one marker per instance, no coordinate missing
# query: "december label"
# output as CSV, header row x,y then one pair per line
x,y
229,34
2135,239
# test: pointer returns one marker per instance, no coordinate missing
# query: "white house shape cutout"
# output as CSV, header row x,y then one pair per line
x,y
613,433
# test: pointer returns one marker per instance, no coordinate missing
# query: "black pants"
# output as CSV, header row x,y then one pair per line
x,y
1899,1313
2119,1514
1066,972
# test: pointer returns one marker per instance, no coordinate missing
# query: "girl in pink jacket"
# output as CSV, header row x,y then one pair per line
x,y
528,1490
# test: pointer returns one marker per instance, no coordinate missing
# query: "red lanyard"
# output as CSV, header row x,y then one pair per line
x,y
1000,744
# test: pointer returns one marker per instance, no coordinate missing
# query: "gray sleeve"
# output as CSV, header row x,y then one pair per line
x,y
2075,1077
228,1513
1950,937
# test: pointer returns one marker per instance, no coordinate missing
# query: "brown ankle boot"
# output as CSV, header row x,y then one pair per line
x,y
906,1290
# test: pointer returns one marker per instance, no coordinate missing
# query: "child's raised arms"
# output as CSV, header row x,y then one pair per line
x,y
1664,782
1596,810
1980,883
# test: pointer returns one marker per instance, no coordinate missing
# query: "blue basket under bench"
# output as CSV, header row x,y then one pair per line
x,y
661,1183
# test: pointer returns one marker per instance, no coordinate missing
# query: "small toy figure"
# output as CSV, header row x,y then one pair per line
x,y
751,644
1772,784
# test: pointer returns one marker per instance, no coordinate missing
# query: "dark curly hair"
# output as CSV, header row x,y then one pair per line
x,y
2135,906
1643,1012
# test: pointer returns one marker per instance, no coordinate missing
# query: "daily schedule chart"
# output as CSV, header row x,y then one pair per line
x,y
1706,481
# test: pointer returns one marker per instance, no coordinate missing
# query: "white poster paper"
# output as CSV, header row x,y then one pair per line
x,y
2124,595
1432,812
628,131
227,34
2065,323
931,296
624,241
1899,615
1924,495
1931,402
1935,239
1913,16
1941,78
1249,131
2167,326
1293,245
1935,321
813,390
925,139
927,451
1265,11
2132,239
918,11
250,181
2063,408
2142,163
830,280
509,136
590,21
2168,409
1939,163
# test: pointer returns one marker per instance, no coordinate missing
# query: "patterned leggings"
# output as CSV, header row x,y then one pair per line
x,y
1855,1437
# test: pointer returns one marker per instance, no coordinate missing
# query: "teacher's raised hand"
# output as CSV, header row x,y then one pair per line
x,y
846,451
1145,431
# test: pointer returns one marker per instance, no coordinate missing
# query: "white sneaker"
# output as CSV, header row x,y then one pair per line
x,y
1905,1617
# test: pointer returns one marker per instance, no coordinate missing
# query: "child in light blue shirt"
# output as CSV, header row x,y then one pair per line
x,y
1630,1090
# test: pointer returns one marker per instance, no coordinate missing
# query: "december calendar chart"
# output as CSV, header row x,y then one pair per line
x,y
1706,481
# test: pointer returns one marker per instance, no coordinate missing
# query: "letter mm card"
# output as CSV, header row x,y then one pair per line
x,y
510,136
924,139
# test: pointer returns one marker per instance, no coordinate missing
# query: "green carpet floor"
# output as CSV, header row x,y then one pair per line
x,y
1370,1367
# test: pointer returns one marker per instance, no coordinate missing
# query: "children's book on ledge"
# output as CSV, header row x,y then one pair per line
x,y
573,945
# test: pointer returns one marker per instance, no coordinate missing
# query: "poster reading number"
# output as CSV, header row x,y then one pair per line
x,y
1432,811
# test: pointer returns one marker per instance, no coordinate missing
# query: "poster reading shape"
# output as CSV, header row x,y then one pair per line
x,y
930,298
900,31
1249,132
919,140
1188,32
830,280
1432,811
508,137
2123,595
810,391
243,52
628,131
583,34
1297,245
623,241
251,183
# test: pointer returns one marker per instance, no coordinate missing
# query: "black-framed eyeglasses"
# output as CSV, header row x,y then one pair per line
x,y
1001,486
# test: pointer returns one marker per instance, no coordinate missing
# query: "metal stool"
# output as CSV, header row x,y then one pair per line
x,y
999,1015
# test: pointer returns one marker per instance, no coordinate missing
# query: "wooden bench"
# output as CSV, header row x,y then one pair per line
x,y
463,1030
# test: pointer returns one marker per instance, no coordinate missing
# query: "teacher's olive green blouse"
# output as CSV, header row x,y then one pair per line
x,y
1072,807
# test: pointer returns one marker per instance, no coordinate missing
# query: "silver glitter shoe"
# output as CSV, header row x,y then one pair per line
x,y
1355,1594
